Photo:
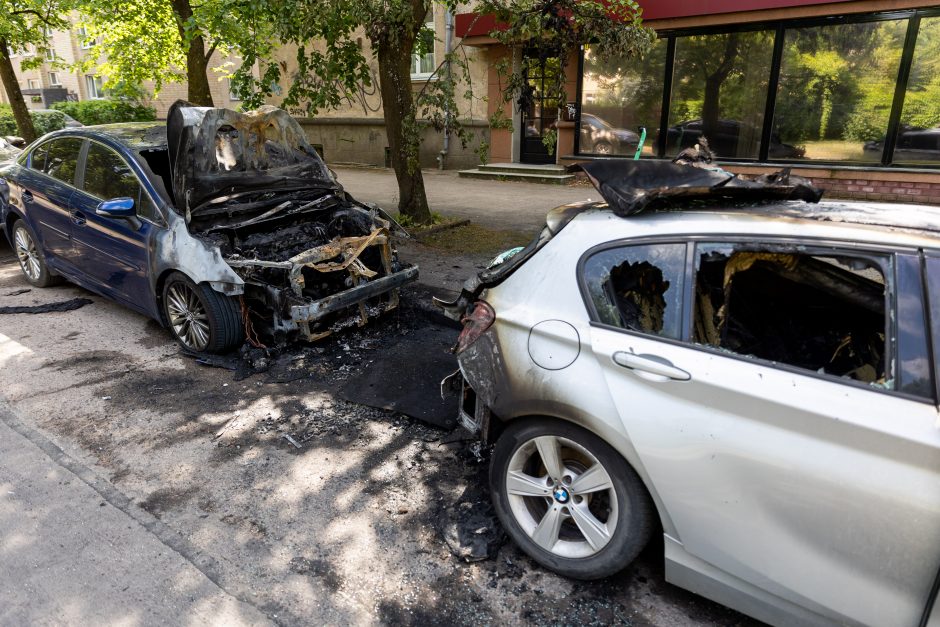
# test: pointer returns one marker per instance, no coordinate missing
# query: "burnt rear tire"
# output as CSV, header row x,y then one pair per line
x,y
31,258
201,319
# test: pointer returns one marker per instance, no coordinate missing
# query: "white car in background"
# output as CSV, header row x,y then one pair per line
x,y
754,377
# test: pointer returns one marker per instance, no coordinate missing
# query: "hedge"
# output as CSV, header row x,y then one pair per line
x,y
44,121
107,111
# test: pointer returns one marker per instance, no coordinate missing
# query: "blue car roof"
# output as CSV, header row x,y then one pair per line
x,y
135,135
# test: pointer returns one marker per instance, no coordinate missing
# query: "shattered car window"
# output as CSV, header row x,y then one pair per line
x,y
638,287
822,313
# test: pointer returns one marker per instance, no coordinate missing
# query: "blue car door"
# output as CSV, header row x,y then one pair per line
x,y
46,188
113,253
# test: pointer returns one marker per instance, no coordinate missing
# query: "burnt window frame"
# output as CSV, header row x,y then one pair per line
x,y
779,29
809,246
633,243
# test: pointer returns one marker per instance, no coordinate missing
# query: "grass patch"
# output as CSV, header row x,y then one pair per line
x,y
409,223
476,239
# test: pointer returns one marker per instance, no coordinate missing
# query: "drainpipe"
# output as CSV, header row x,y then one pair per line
x,y
448,46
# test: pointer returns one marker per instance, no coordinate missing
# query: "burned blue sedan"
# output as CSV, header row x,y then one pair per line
x,y
215,223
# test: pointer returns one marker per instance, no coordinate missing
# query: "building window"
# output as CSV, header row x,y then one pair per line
x,y
84,41
619,98
34,83
54,79
50,55
422,61
231,94
93,86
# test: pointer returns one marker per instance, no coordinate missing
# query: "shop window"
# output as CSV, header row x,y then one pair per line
x,y
719,91
617,98
836,87
918,138
638,288
822,313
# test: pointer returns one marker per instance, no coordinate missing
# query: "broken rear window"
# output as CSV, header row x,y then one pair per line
x,y
820,312
638,287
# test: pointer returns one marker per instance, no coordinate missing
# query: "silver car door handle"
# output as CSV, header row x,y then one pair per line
x,y
651,365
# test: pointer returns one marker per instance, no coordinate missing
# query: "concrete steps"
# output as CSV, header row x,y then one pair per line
x,y
552,174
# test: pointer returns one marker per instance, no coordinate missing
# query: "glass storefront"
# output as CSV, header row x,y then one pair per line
x,y
619,100
821,90
836,88
720,92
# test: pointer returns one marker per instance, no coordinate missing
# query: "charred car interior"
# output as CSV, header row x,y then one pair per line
x,y
312,258
817,312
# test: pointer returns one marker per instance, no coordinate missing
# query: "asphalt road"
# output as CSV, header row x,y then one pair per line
x,y
138,487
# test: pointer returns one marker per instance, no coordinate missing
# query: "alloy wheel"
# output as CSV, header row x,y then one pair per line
x,y
561,496
187,316
27,254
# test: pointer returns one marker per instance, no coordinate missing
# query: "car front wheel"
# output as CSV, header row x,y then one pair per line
x,y
202,320
31,259
568,499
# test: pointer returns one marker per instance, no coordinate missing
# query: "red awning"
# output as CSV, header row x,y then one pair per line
x,y
473,25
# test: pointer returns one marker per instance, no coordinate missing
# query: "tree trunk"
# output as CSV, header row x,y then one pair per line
x,y
401,126
24,123
711,105
197,61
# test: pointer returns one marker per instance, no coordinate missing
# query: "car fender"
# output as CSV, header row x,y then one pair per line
x,y
515,391
175,248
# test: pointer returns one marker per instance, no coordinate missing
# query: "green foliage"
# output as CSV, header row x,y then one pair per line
x,y
23,24
108,111
135,42
43,121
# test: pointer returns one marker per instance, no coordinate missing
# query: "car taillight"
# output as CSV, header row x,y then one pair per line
x,y
475,324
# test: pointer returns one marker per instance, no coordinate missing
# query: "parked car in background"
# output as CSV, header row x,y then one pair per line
x,y
214,223
914,145
755,378
726,140
600,137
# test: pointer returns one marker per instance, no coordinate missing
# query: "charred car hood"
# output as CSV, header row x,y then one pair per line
x,y
219,152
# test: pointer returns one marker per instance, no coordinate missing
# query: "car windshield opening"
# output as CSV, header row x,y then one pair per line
x,y
822,313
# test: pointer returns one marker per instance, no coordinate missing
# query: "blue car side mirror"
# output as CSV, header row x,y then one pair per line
x,y
116,208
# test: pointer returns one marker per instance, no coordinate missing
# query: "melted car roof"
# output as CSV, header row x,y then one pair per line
x,y
136,135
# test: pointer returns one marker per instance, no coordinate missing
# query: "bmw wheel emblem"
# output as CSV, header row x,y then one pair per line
x,y
561,495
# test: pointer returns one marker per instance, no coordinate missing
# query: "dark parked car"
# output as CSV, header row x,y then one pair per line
x,y
914,144
725,140
601,137
209,223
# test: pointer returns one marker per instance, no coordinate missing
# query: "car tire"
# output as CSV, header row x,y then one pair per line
x,y
602,148
536,508
201,319
30,257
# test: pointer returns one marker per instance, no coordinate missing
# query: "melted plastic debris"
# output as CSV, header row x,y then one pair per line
x,y
65,305
631,187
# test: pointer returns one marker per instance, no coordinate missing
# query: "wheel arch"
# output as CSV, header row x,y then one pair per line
x,y
620,444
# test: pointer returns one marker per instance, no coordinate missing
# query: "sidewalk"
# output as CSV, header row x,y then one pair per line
x,y
495,204
73,551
